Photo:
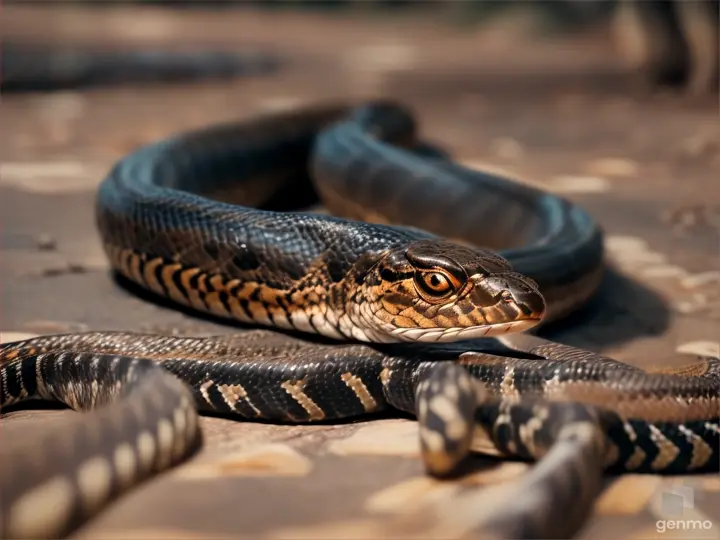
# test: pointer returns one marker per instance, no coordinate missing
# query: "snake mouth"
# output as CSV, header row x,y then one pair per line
x,y
437,335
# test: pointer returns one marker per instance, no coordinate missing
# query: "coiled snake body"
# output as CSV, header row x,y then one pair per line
x,y
412,309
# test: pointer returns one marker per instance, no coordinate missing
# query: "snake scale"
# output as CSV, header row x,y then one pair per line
x,y
391,306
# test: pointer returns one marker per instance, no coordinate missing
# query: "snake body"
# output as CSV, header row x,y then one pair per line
x,y
402,297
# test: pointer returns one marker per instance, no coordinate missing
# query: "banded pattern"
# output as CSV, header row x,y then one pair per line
x,y
500,402
245,301
151,425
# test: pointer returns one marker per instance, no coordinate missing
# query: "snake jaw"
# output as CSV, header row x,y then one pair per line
x,y
439,335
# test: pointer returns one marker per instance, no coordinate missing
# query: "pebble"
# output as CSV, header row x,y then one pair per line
x,y
698,280
699,348
507,148
618,167
579,184
45,242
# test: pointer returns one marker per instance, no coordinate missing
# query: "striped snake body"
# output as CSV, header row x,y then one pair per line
x,y
413,310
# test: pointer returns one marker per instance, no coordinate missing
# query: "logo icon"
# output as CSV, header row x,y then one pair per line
x,y
676,499
677,504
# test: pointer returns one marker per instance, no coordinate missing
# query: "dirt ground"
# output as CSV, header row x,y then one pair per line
x,y
560,113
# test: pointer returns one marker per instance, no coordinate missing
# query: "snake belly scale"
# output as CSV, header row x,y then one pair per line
x,y
394,317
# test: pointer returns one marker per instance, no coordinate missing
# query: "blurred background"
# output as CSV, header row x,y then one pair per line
x,y
611,104
662,42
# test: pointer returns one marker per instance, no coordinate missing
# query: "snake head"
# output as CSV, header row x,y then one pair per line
x,y
435,291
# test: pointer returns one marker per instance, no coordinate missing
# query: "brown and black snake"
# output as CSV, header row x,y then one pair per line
x,y
392,317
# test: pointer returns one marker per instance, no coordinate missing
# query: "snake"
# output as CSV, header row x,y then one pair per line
x,y
44,67
420,290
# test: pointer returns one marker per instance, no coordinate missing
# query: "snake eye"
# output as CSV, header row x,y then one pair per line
x,y
507,296
435,284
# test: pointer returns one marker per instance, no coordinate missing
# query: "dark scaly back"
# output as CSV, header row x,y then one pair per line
x,y
158,201
163,228
544,237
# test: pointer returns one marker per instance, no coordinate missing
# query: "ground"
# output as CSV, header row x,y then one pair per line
x,y
560,113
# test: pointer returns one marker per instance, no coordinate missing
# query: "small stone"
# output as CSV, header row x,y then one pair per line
x,y
45,242
697,302
700,145
579,184
617,167
279,103
53,271
698,280
699,348
685,307
64,268
384,57
641,258
625,243
506,148
62,106
76,268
